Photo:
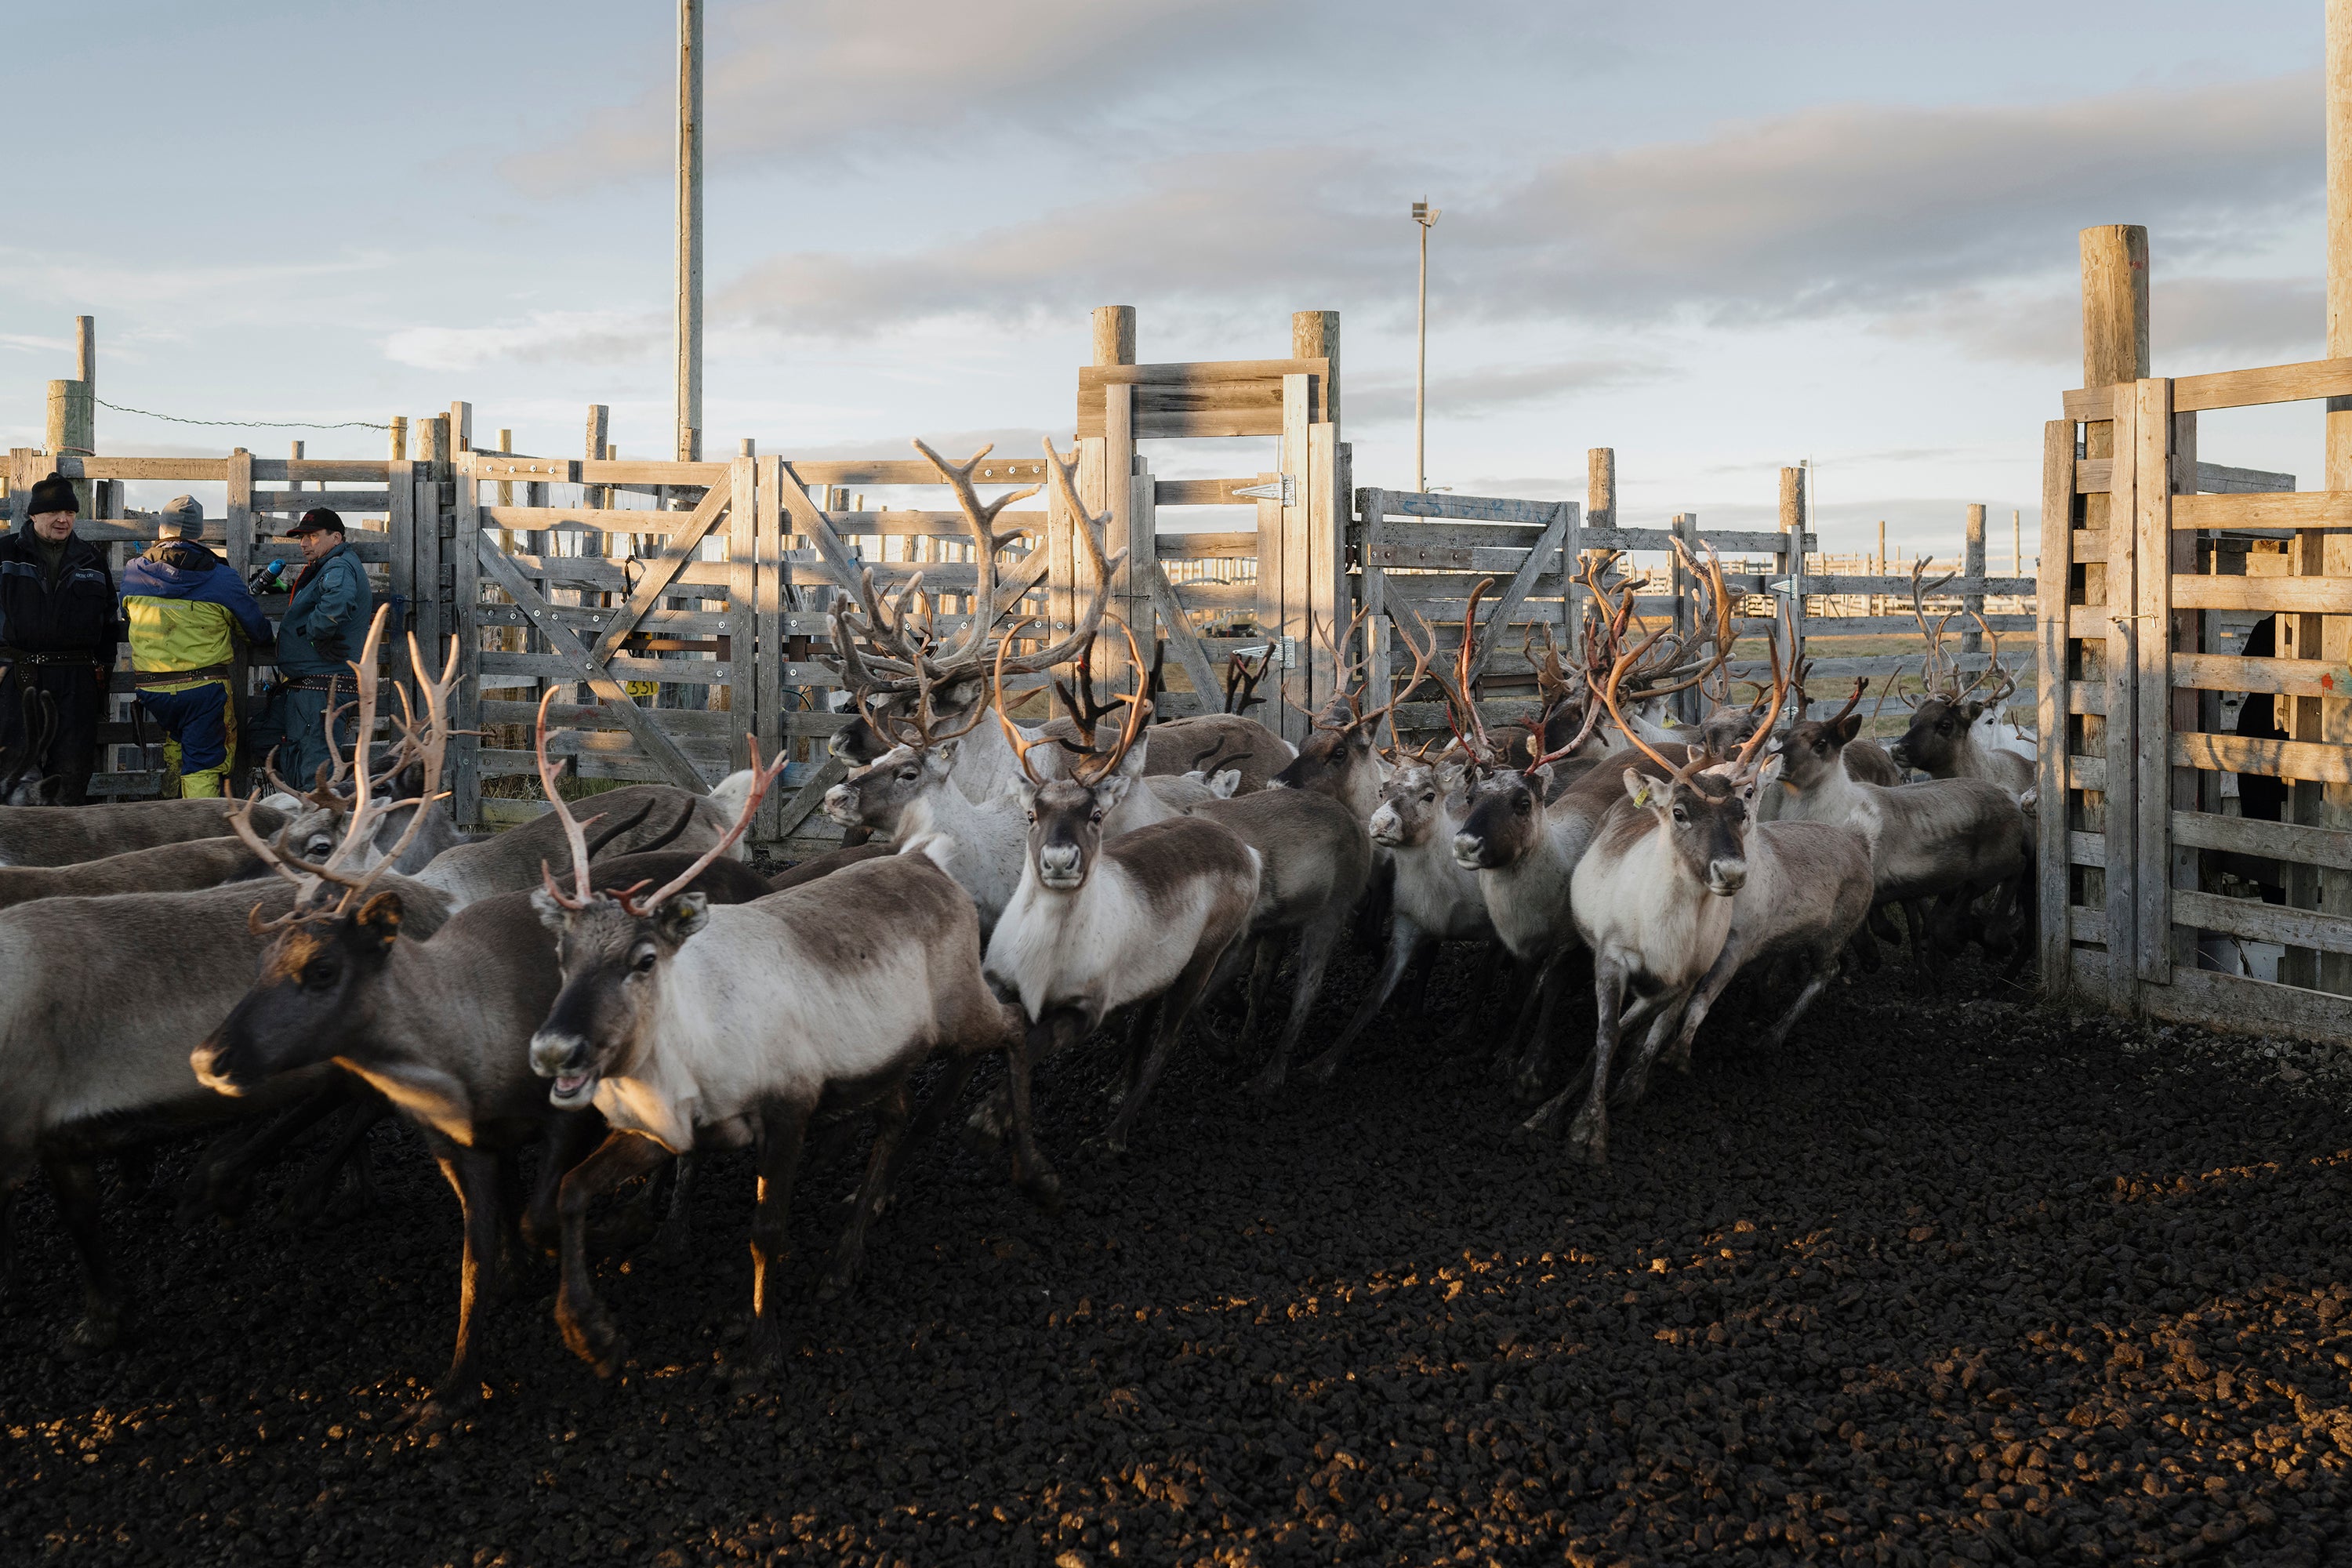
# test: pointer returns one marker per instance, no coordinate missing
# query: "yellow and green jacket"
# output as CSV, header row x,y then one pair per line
x,y
185,607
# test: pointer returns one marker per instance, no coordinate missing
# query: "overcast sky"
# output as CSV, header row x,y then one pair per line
x,y
1717,237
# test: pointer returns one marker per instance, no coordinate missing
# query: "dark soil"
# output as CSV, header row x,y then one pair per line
x,y
1963,1281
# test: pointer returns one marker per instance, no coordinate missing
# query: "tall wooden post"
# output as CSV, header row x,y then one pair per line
x,y
1972,565
71,429
1106,472
1793,523
1599,510
400,437
2331,552
1315,334
2114,351
688,315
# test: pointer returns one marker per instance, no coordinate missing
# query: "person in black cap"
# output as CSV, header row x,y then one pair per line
x,y
57,631
326,623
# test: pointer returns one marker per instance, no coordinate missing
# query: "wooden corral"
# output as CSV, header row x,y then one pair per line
x,y
2176,880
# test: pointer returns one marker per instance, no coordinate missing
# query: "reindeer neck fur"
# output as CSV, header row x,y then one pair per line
x,y
1529,902
1638,903
991,840
1125,933
1432,887
1837,798
776,999
509,861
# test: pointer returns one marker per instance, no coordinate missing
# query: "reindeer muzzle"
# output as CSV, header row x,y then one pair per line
x,y
841,805
1469,851
212,1070
1061,865
564,1056
1724,877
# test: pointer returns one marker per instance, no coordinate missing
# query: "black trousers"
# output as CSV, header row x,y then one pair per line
x,y
82,705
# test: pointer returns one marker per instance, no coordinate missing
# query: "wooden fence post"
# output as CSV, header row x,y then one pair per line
x,y
2333,548
1315,334
1686,707
1112,471
1793,522
1973,566
2051,677
465,752
69,431
2114,351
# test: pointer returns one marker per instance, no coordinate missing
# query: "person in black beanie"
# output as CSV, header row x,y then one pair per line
x,y
58,630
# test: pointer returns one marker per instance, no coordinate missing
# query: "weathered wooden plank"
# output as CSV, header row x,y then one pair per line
x,y
2280,676
560,667
289,504
1092,378
1201,492
2123,709
709,730
582,667
2239,1003
2233,388
2274,840
2220,478
2294,509
809,521
1176,626
742,604
1205,546
2314,762
2005,587
465,774
2288,595
771,578
811,796
198,470
2051,692
2151,644
322,470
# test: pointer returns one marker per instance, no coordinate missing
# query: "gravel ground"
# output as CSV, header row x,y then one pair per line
x,y
1950,1281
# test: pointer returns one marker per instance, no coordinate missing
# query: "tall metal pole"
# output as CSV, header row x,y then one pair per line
x,y
1423,214
688,313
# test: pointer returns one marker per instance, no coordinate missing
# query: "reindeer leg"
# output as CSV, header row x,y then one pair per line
x,y
1265,960
1221,1047
1588,1133
783,1125
1535,1068
587,1327
1407,942
1314,948
1703,998
73,1179
672,1239
1417,976
567,1138
225,1182
1030,1174
1175,1006
1815,983
891,1113
309,1200
473,1176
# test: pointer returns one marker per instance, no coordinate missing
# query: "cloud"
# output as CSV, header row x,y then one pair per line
x,y
83,277
1873,211
548,337
1484,391
828,79
2238,319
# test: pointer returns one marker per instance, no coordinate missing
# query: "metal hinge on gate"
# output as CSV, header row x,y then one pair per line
x,y
1285,489
1281,653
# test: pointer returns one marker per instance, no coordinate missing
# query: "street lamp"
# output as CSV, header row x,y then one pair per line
x,y
1424,215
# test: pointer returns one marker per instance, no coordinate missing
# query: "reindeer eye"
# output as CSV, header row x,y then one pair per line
x,y
643,962
908,775
1681,815
321,975
1095,815
1427,796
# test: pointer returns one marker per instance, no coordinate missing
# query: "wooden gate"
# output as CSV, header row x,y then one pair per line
x,y
2160,860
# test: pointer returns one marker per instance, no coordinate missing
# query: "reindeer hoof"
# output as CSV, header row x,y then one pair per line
x,y
1527,1085
95,1333
1112,1141
1267,1085
594,1339
1632,1086
1320,1072
1588,1139
1045,1191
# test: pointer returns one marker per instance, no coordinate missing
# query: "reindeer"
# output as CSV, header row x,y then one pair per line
x,y
692,1026
48,835
95,1051
954,672
1807,891
1947,739
167,867
1947,838
1101,923
1652,896
1523,848
1433,899
1214,742
441,1024
1341,757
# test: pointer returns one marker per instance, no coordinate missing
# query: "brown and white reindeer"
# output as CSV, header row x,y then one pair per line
x,y
1099,924
166,869
54,836
1947,738
693,1027
1652,894
440,1023
1525,848
1807,890
1949,840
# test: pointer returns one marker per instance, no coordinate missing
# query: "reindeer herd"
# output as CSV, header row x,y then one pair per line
x,y
616,995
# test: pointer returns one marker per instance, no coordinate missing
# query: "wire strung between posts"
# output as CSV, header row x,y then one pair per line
x,y
243,424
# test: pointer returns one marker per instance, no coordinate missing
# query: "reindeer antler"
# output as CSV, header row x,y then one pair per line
x,y
575,832
1937,671
763,778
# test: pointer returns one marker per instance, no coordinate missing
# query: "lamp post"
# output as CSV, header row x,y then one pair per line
x,y
1424,215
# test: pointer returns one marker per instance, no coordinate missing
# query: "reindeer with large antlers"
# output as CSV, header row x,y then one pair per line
x,y
1099,924
690,1026
1951,734
888,656
1525,848
439,1021
1653,895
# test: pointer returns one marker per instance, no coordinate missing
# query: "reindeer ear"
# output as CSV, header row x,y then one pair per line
x,y
550,911
1973,711
381,916
1848,727
1027,792
682,916
1639,787
1542,775
1113,790
941,757
1223,784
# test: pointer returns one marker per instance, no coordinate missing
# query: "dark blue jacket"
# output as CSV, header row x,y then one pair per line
x,y
73,614
327,618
